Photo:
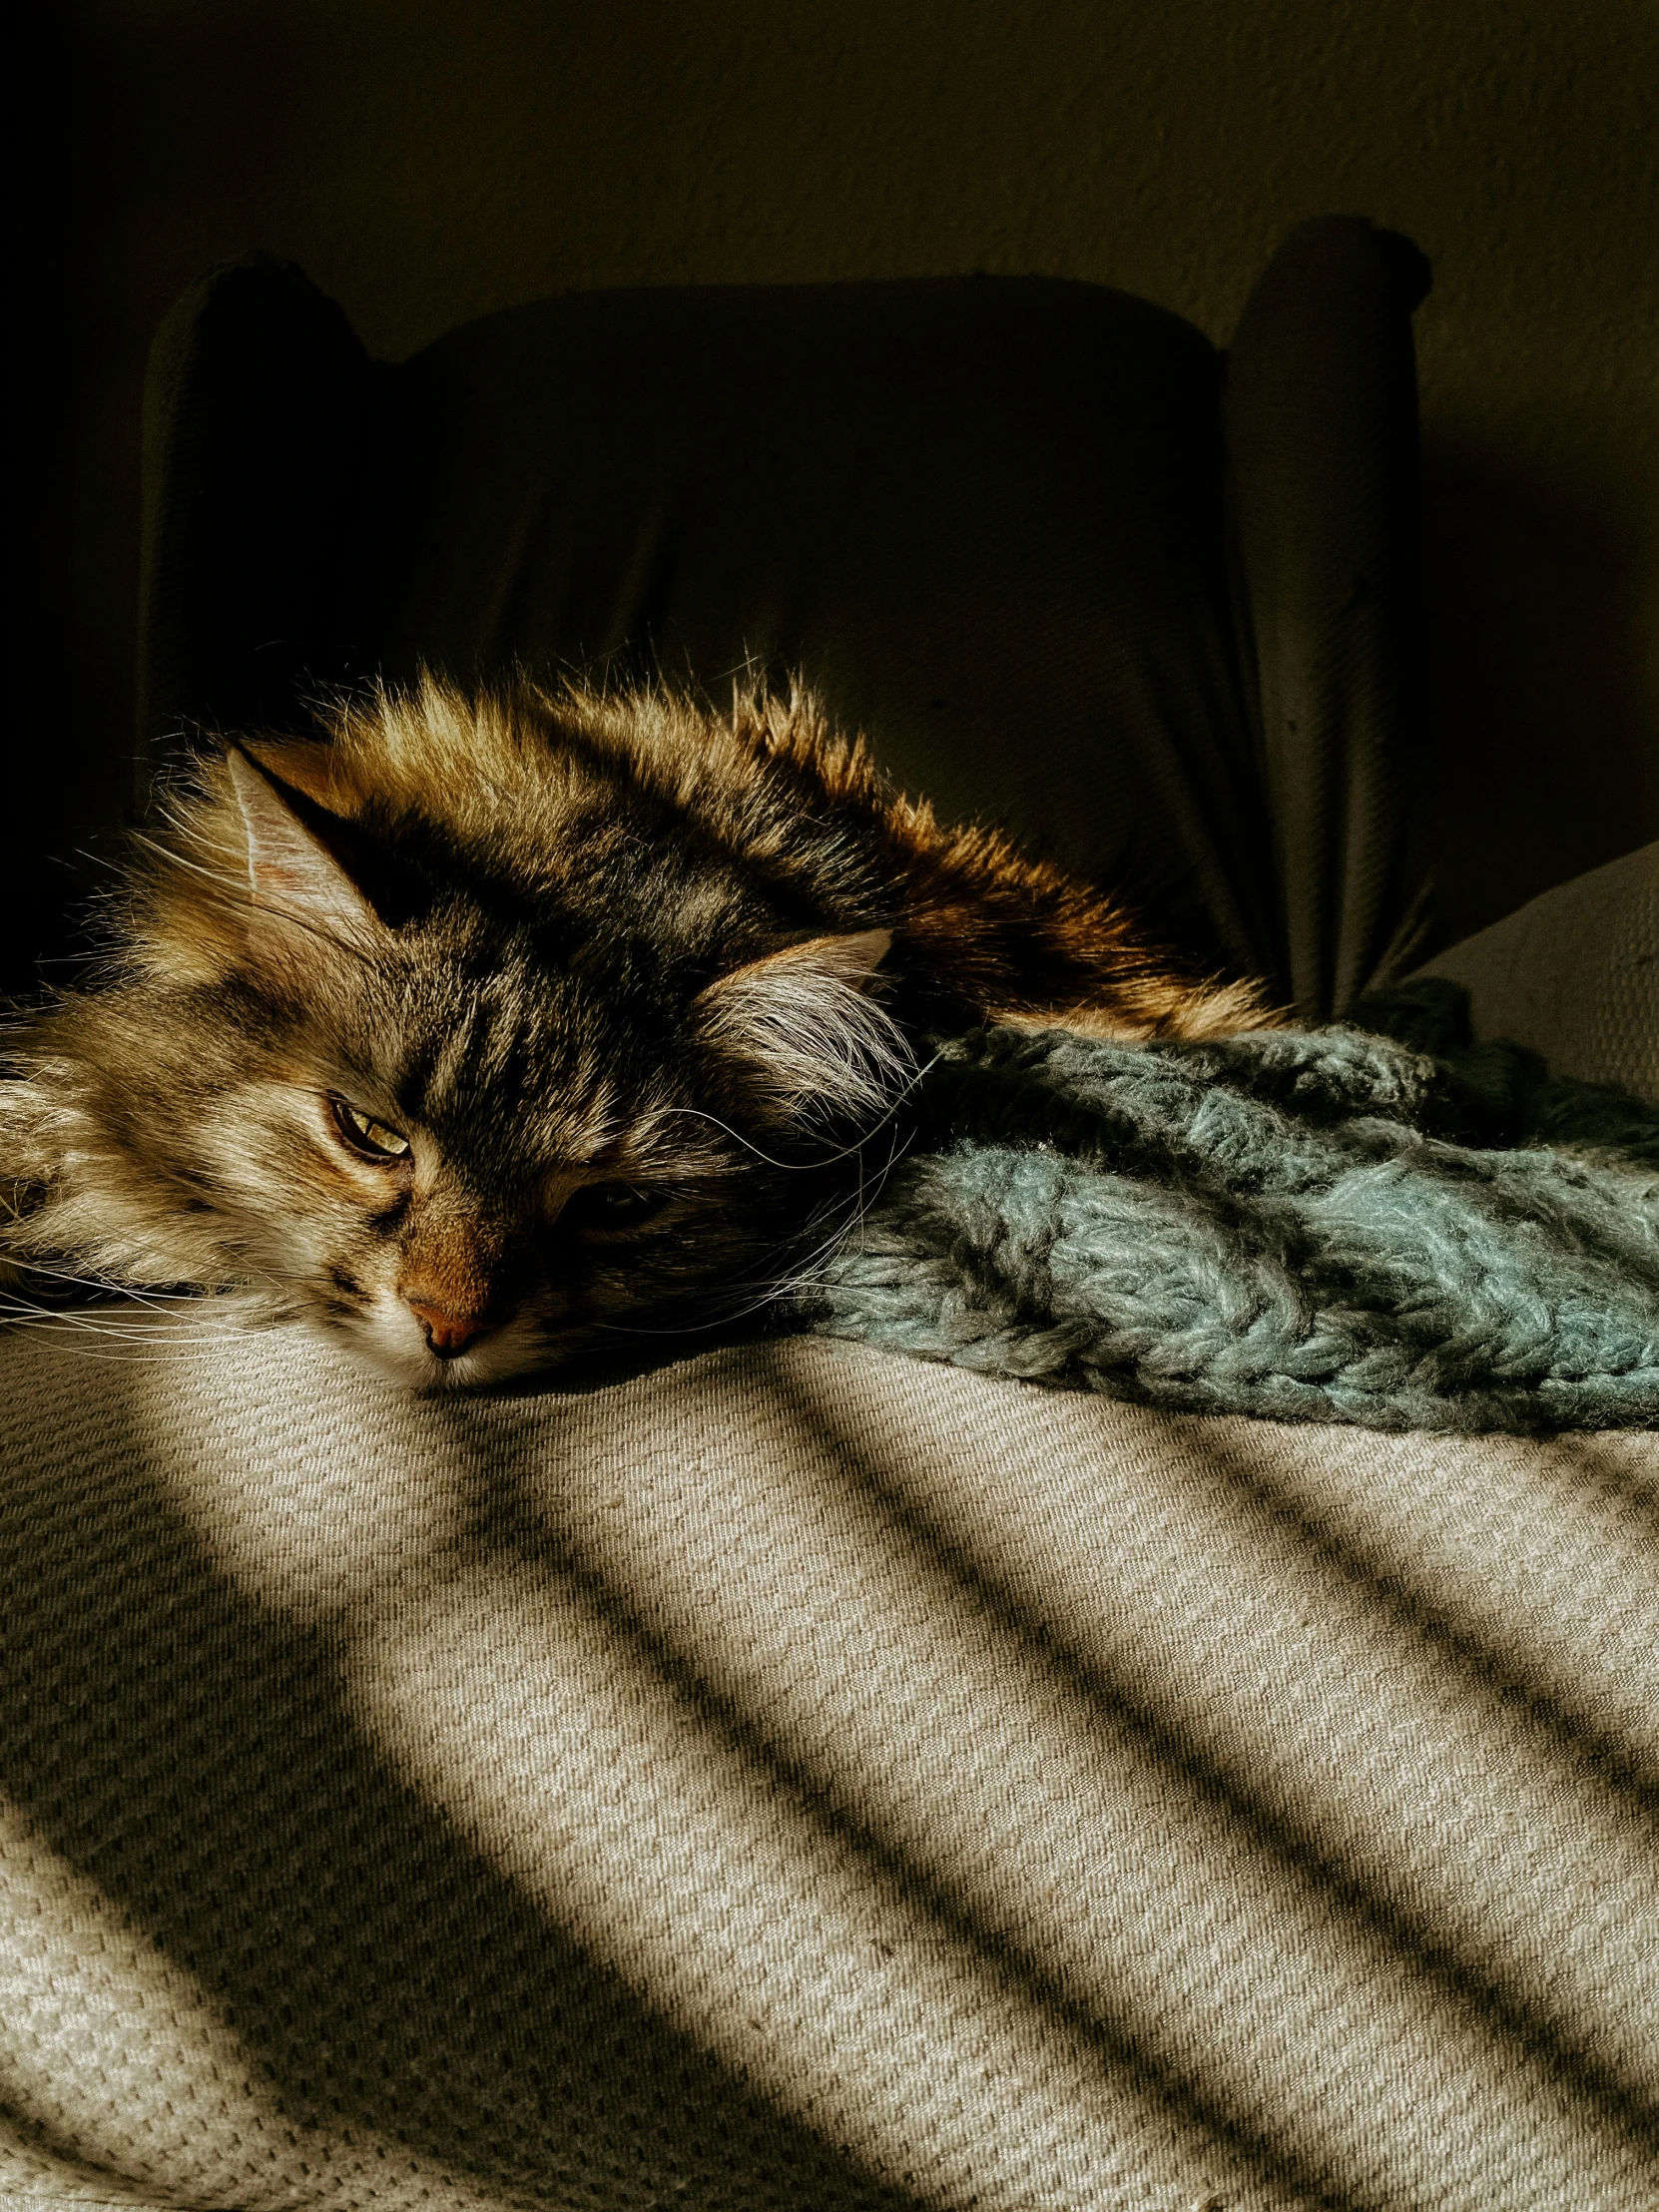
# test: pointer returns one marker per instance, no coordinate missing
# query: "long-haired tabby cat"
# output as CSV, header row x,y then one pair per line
x,y
475,1029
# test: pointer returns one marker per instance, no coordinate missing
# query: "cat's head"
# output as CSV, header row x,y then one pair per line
x,y
465,1099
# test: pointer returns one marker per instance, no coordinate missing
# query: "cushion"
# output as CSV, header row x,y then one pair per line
x,y
796,1777
1576,975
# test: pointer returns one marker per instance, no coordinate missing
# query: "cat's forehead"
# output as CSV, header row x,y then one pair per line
x,y
526,1066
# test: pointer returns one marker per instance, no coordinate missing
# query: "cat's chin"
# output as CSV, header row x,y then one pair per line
x,y
402,1355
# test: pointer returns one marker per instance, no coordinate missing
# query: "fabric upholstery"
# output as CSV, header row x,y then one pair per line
x,y
1576,975
1322,437
795,1777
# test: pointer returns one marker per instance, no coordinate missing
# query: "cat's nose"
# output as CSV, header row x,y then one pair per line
x,y
449,1334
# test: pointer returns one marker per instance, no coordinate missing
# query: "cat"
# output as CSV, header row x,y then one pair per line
x,y
477,1030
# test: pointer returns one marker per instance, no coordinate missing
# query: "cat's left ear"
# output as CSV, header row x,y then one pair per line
x,y
805,1026
298,885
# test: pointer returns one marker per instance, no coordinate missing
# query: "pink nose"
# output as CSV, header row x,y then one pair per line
x,y
448,1334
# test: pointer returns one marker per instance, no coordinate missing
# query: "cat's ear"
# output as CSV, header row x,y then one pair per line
x,y
297,883
813,1041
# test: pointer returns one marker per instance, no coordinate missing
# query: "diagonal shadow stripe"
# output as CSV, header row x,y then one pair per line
x,y
65,2158
195,1754
509,1524
379,1822
725,1408
1294,1845
1580,1732
1576,1716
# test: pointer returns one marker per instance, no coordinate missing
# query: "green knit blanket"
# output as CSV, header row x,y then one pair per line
x,y
1396,1229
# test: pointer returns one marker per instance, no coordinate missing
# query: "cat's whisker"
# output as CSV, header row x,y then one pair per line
x,y
161,1303
106,1286
856,1206
158,1344
15,1312
807,1268
132,1359
775,1290
196,1304
823,1160
152,1325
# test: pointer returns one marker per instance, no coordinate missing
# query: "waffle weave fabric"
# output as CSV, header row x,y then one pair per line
x,y
1325,1225
798,1778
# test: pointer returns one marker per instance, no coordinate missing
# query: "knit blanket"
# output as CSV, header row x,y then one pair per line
x,y
1384,1225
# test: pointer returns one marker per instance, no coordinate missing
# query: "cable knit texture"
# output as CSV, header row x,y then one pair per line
x,y
1404,1230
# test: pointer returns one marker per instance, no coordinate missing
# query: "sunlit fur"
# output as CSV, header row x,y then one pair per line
x,y
559,939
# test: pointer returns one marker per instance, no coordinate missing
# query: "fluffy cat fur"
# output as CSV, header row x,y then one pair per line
x,y
475,1029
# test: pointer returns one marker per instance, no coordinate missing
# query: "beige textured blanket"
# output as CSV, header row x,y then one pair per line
x,y
798,1778
804,1777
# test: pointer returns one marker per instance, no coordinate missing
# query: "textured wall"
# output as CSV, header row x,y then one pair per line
x,y
426,159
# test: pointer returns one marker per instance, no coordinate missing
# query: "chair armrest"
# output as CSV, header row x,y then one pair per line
x,y
1574,975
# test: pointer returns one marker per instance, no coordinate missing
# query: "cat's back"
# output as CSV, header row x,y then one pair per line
x,y
629,811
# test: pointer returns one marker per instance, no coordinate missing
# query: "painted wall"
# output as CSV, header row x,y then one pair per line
x,y
427,160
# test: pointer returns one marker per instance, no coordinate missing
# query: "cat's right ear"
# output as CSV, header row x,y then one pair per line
x,y
298,887
803,1023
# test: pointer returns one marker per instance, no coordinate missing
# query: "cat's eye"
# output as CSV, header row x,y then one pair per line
x,y
604,1206
374,1140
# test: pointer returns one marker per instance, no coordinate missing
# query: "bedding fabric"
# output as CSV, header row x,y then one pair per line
x,y
798,1776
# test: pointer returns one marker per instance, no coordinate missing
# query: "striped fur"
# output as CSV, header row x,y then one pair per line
x,y
639,986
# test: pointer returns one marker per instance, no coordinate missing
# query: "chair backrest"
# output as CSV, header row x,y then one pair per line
x,y
995,522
